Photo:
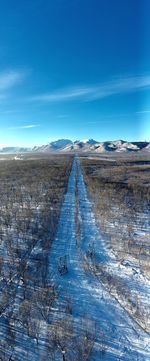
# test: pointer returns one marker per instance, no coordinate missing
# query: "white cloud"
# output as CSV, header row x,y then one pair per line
x,y
25,126
143,112
9,79
64,94
91,93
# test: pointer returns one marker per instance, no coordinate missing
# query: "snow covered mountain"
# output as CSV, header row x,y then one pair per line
x,y
85,145
57,145
91,145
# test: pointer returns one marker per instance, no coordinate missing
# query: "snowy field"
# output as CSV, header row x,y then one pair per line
x,y
88,319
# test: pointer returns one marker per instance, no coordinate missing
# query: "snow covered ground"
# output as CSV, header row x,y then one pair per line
x,y
122,337
95,315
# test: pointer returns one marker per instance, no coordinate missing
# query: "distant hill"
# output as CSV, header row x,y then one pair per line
x,y
88,145
57,145
91,145
14,150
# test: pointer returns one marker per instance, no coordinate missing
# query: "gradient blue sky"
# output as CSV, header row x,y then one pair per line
x,y
75,69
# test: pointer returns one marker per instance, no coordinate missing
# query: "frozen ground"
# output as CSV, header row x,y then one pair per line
x,y
122,337
92,309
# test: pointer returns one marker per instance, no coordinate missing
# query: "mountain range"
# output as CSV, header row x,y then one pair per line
x,y
89,145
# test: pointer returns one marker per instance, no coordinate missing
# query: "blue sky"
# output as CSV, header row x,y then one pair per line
x,y
75,69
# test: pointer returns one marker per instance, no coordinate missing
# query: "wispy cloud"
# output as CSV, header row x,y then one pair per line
x,y
143,112
91,93
99,122
30,126
9,79
62,116
64,95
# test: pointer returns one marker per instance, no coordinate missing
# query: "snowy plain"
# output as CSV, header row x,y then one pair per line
x,y
112,331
